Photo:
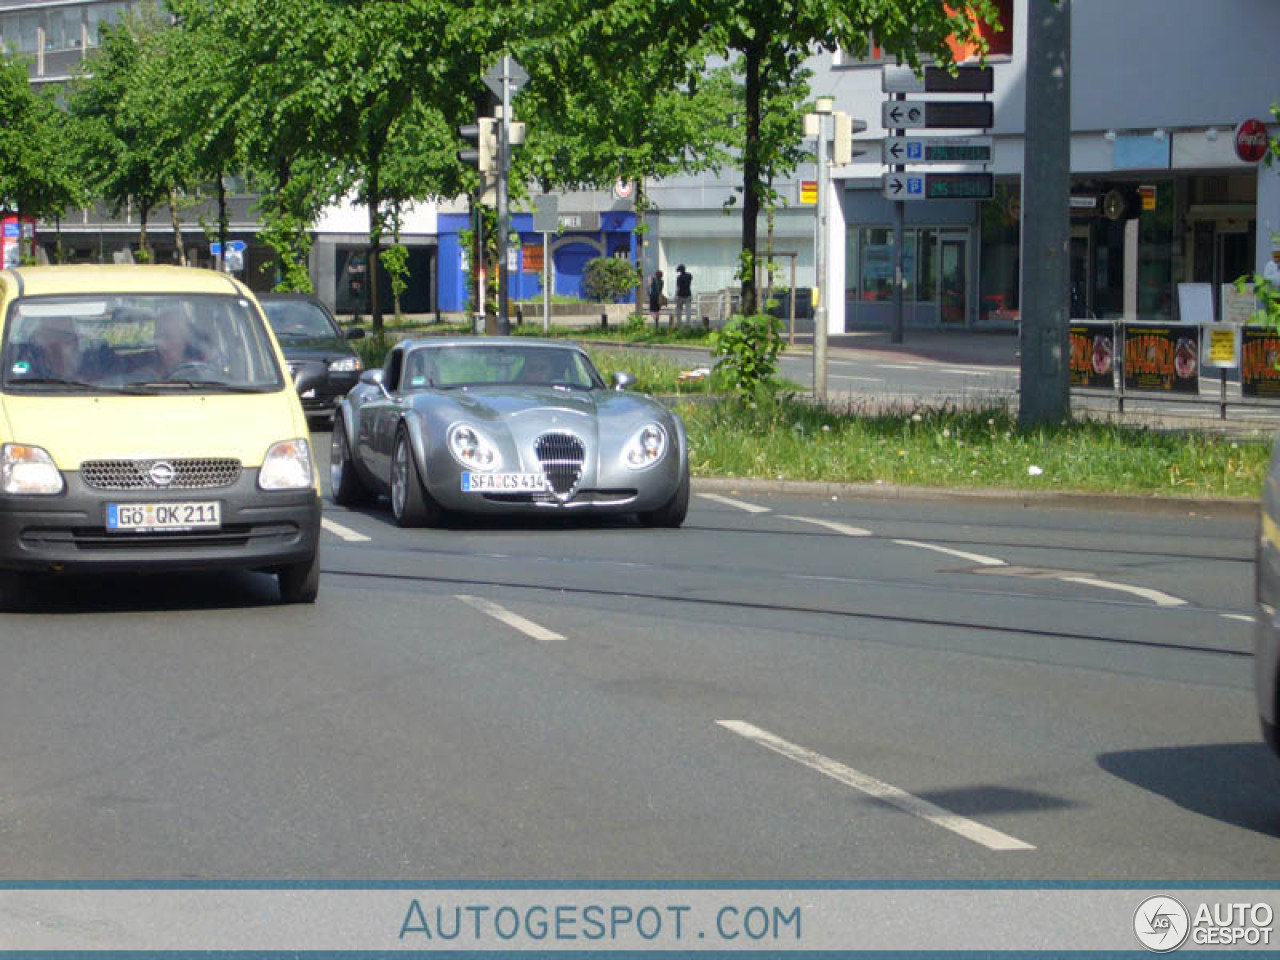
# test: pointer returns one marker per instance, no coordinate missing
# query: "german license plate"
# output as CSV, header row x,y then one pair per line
x,y
503,482
152,517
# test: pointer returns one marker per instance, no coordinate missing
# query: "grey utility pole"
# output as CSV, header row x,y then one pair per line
x,y
504,214
1046,226
899,252
823,109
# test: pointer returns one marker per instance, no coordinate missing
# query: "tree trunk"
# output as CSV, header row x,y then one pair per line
x,y
144,252
750,181
177,229
59,253
641,232
375,242
223,228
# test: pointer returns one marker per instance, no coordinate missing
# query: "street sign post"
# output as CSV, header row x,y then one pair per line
x,y
937,114
966,79
938,186
924,150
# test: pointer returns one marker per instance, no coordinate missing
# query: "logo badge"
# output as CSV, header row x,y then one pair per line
x,y
162,473
1161,924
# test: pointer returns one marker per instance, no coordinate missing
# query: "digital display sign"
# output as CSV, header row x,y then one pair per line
x,y
957,153
959,186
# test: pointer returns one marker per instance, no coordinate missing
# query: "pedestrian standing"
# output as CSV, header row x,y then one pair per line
x,y
684,295
655,295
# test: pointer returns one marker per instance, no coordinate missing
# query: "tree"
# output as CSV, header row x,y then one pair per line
x,y
130,151
37,173
773,38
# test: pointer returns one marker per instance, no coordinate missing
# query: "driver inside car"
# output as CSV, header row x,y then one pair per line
x,y
174,348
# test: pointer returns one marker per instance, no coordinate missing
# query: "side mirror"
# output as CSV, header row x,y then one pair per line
x,y
372,378
622,379
354,333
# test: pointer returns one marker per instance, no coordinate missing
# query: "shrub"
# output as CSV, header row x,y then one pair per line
x,y
609,278
747,350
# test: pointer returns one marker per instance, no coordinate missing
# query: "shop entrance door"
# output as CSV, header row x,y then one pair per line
x,y
1081,272
953,279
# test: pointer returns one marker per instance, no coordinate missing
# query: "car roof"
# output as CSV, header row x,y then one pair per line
x,y
118,278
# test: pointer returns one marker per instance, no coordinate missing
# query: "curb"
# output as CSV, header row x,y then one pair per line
x,y
1205,507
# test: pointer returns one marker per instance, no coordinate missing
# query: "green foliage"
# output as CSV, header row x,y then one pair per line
x,y
609,278
747,349
395,260
788,438
38,174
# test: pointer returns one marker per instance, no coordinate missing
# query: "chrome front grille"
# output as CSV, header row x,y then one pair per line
x,y
561,456
187,473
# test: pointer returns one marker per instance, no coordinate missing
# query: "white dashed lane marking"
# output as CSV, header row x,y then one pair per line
x,y
844,528
1155,596
338,530
737,504
962,554
1242,617
886,792
513,620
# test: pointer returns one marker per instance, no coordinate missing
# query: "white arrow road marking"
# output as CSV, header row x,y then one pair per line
x,y
962,554
844,528
1155,596
1242,617
729,502
513,620
338,530
886,792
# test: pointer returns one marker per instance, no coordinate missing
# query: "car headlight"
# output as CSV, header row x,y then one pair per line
x,y
346,365
287,466
472,449
25,469
646,447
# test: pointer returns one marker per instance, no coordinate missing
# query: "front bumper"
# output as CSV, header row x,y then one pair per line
x,y
259,530
319,389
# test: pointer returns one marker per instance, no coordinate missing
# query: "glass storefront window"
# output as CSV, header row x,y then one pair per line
x,y
877,264
1001,265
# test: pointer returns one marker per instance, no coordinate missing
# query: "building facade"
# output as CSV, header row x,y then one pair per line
x,y
1159,196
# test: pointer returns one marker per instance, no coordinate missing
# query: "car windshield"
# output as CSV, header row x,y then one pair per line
x,y
467,366
298,320
133,342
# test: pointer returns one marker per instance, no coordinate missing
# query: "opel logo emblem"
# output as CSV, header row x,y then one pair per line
x,y
162,473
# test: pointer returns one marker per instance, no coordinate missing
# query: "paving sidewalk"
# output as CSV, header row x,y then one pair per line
x,y
985,348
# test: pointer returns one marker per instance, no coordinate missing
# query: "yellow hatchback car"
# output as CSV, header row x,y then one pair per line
x,y
146,423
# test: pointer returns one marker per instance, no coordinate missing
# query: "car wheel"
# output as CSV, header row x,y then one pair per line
x,y
673,512
345,484
411,505
300,582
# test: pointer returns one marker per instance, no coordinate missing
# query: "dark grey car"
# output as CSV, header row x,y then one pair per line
x,y
506,425
321,361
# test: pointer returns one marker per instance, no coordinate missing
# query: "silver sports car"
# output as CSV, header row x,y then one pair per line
x,y
505,425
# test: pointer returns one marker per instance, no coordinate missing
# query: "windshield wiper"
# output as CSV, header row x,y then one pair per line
x,y
195,385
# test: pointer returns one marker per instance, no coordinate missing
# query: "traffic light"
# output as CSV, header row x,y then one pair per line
x,y
484,134
842,150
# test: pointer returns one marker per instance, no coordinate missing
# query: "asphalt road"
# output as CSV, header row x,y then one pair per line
x,y
872,379
786,688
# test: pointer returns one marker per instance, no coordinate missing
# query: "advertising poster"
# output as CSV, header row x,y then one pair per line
x,y
1093,355
1163,359
1259,356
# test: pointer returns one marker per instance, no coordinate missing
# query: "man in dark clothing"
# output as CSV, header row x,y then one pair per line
x,y
655,295
684,294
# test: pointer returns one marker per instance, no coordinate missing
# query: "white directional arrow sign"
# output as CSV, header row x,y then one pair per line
x,y
901,114
904,186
